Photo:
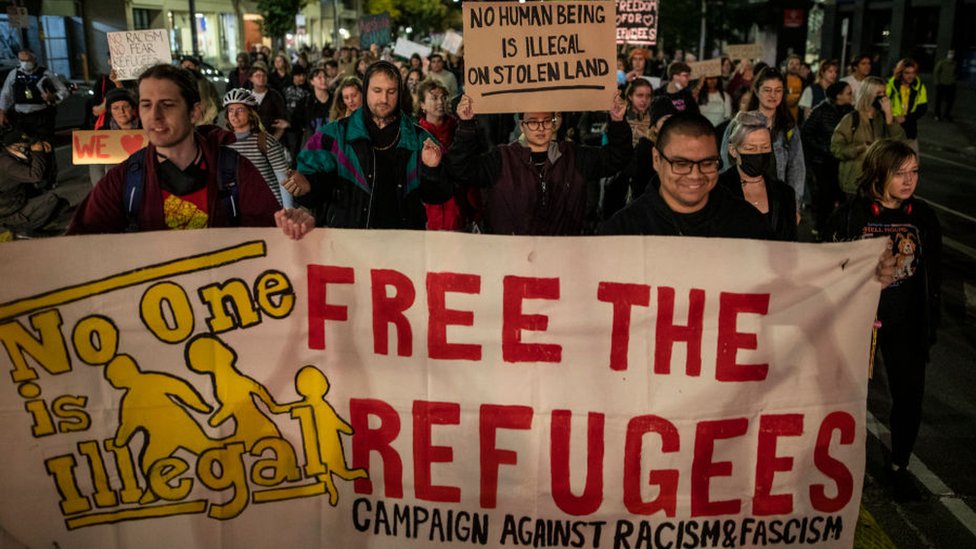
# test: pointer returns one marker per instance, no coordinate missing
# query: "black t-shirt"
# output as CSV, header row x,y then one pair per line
x,y
384,208
723,216
899,300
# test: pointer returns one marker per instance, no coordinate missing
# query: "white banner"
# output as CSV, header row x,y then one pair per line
x,y
134,51
231,388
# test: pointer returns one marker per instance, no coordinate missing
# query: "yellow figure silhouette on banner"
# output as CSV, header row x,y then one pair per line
x,y
321,428
151,404
235,392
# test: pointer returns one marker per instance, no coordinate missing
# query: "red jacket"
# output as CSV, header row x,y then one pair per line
x,y
103,210
454,214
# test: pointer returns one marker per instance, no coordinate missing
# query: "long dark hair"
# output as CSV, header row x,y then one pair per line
x,y
703,93
783,120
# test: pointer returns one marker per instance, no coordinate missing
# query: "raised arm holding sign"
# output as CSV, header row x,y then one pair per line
x,y
540,56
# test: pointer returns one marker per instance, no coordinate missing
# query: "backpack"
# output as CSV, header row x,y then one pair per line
x,y
228,192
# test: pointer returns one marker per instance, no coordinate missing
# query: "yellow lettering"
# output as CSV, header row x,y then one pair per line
x,y
232,475
273,284
163,298
96,340
282,466
73,419
62,469
104,495
131,491
165,470
49,350
226,302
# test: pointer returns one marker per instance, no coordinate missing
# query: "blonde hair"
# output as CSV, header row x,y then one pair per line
x,y
867,92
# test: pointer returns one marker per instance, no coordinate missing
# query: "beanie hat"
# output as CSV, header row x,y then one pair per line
x,y
116,95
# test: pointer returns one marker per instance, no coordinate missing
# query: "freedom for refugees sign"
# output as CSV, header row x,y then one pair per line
x,y
637,22
540,56
231,388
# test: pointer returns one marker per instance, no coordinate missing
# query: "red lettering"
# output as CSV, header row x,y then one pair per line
x,y
440,317
772,427
389,310
492,418
376,440
666,481
623,297
517,289
559,453
425,415
668,332
100,146
703,468
833,468
84,150
319,310
730,341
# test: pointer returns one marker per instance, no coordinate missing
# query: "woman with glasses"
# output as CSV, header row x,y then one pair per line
x,y
537,186
768,98
908,313
870,121
751,150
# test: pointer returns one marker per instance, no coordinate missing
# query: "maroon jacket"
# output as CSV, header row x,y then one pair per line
x,y
561,200
103,210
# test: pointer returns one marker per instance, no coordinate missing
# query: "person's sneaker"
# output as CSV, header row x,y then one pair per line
x,y
904,487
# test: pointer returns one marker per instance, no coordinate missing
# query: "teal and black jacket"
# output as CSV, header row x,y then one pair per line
x,y
339,161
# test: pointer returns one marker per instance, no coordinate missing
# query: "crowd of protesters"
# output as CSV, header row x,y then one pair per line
x,y
357,138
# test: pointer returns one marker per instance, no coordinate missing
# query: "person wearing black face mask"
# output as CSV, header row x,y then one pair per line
x,y
750,149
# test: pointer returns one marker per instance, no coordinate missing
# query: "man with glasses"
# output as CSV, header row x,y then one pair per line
x,y
688,203
537,186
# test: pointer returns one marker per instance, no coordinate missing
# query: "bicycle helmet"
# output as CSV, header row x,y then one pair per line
x,y
240,95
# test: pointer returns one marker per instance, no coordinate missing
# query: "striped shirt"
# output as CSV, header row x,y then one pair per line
x,y
273,166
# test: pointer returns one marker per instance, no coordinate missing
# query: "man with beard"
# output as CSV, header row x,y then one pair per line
x,y
376,168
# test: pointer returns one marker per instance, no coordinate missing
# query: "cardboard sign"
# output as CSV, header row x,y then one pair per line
x,y
540,56
405,48
451,42
637,22
17,17
374,29
105,146
134,51
708,67
744,51
379,389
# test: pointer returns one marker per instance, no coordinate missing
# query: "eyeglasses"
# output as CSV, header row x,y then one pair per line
x,y
706,166
236,110
536,124
771,91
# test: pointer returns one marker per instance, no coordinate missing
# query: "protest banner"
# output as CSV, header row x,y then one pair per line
x,y
744,51
637,22
105,146
374,29
706,68
405,48
541,56
134,51
451,42
233,388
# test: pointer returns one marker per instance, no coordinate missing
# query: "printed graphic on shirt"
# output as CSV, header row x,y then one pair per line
x,y
903,241
184,212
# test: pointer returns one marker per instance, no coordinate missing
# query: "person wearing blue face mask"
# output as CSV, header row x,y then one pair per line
x,y
750,150
29,98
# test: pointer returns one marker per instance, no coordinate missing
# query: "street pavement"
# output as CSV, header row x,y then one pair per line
x,y
946,451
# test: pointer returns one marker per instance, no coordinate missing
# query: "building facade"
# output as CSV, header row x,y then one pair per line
x,y
892,29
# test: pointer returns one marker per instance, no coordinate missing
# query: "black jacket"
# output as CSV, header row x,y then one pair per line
x,y
818,129
723,216
782,203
